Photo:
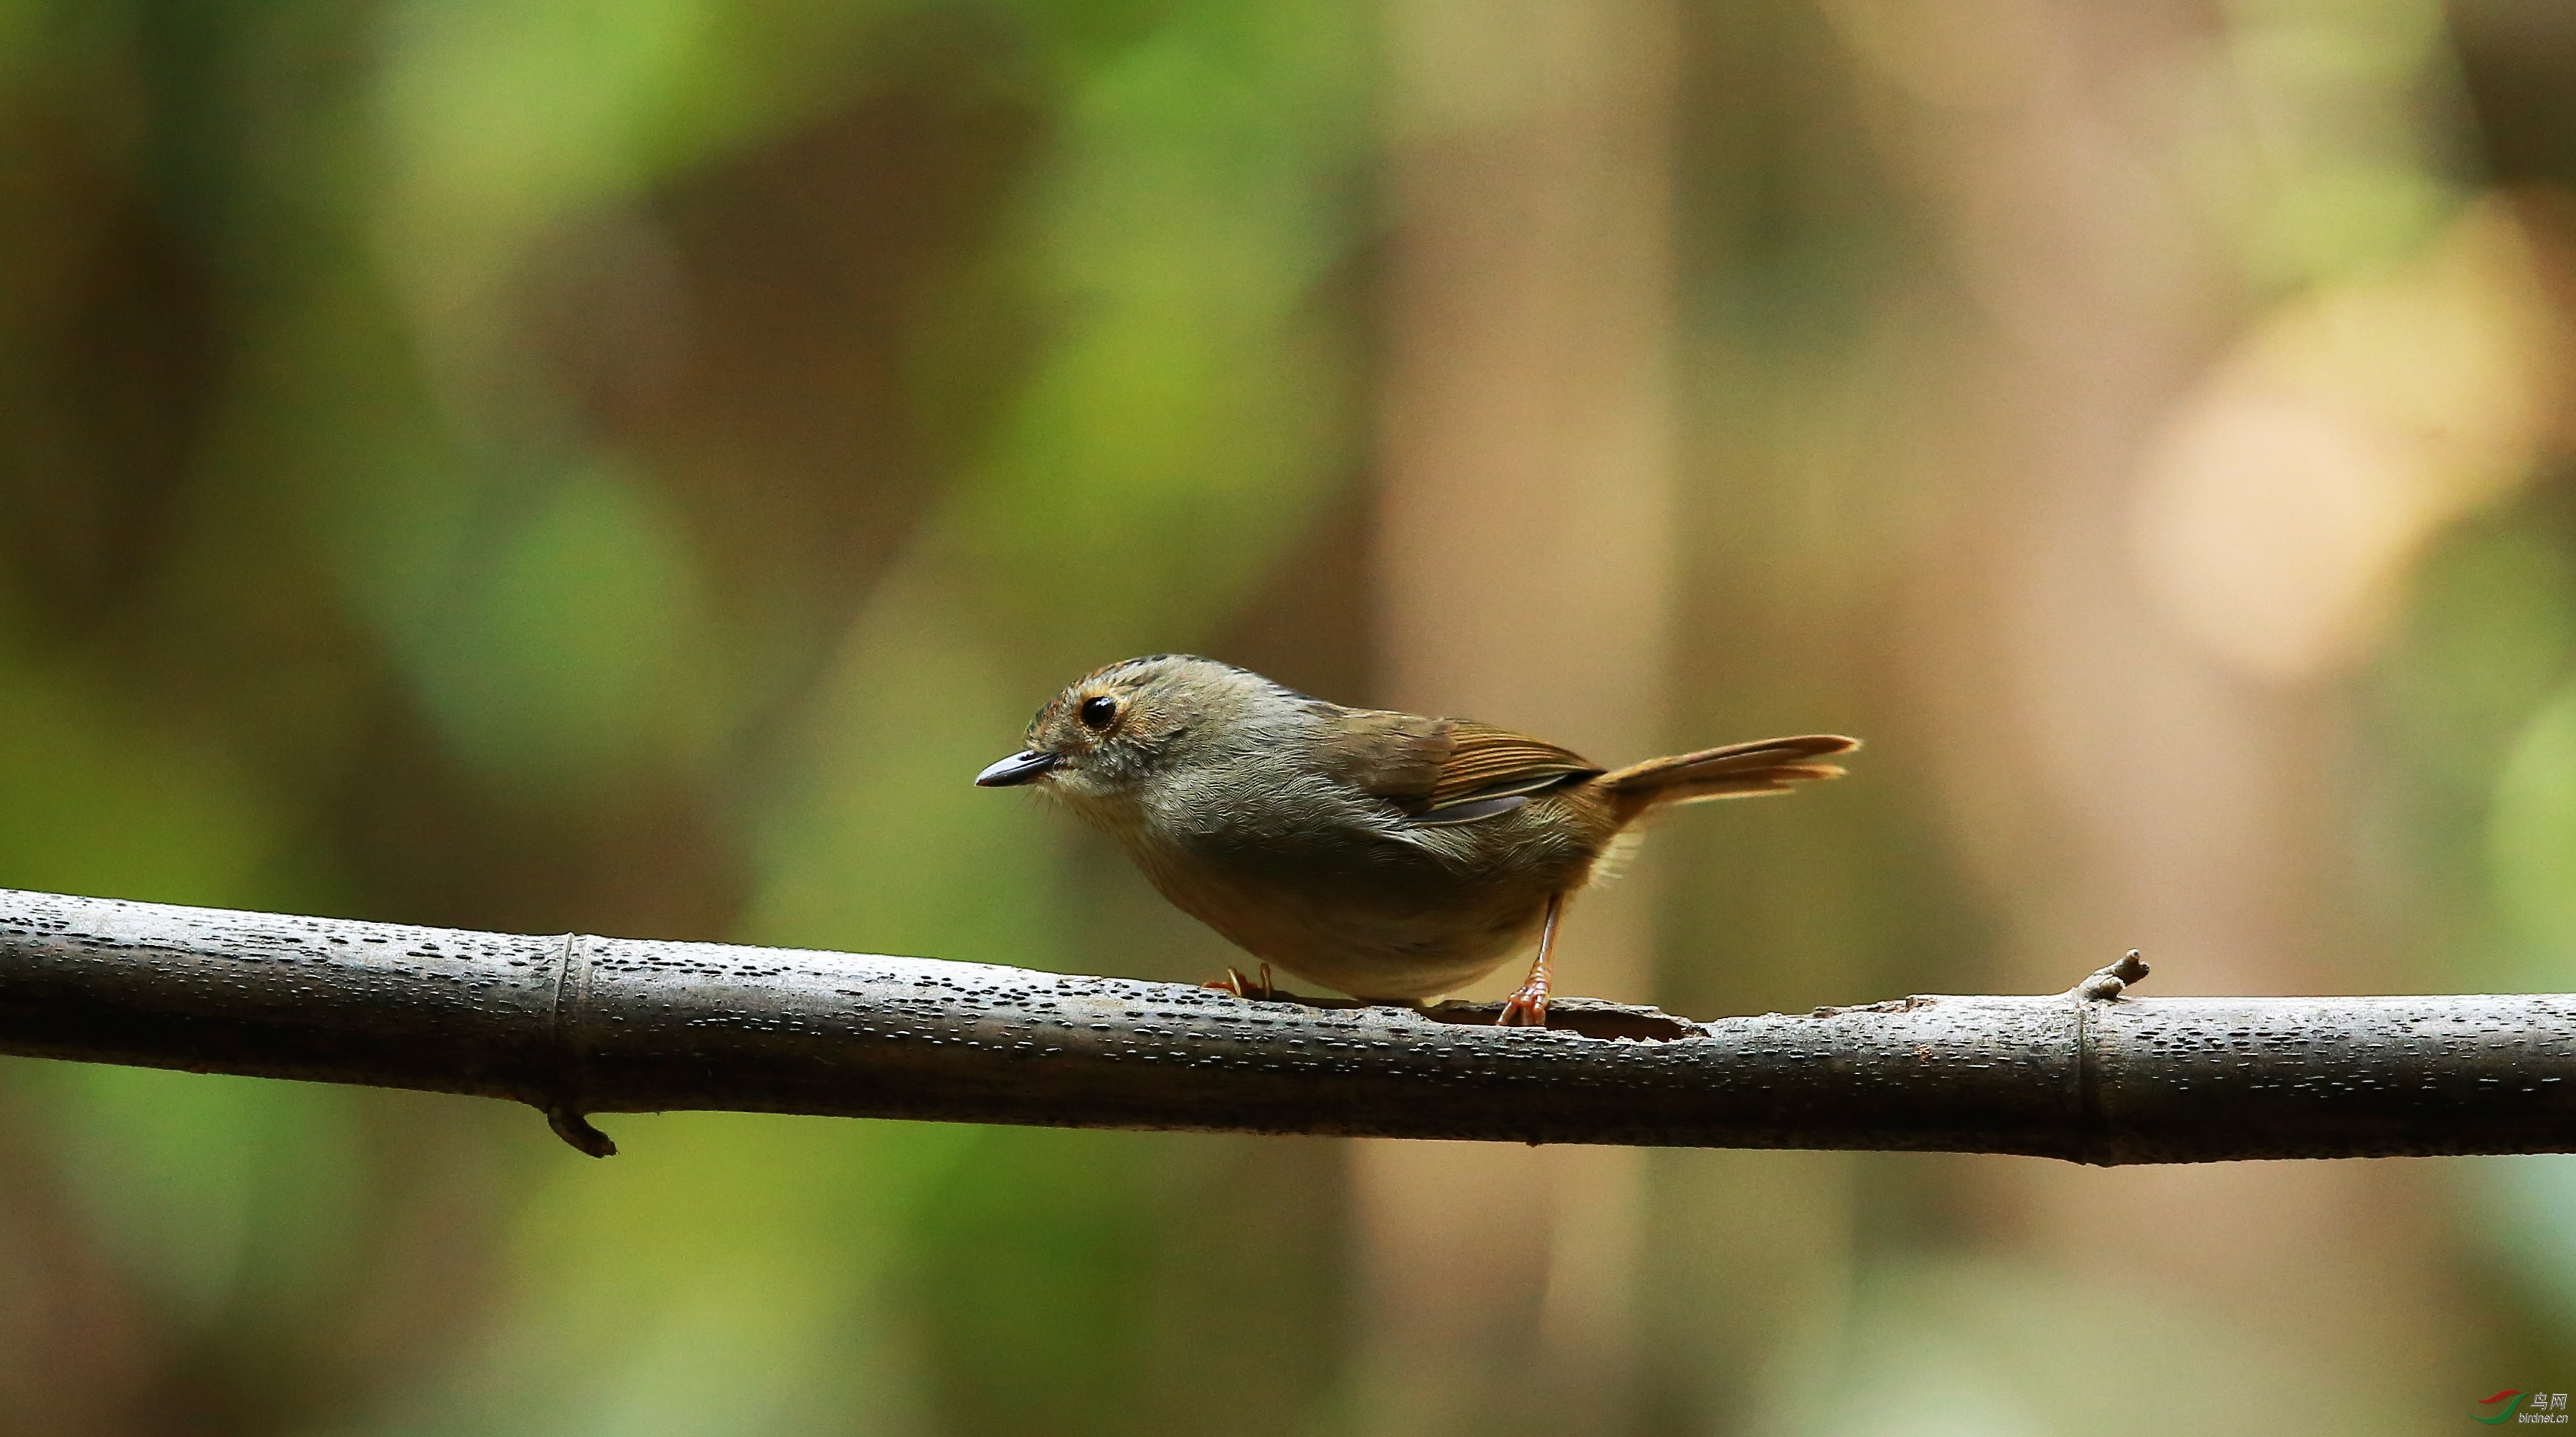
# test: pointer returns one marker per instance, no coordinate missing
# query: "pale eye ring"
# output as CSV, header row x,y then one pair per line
x,y
1097,712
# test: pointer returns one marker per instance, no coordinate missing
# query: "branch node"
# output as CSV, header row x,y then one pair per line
x,y
575,1129
2106,984
572,991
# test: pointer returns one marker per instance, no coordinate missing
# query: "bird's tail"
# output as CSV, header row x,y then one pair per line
x,y
1770,765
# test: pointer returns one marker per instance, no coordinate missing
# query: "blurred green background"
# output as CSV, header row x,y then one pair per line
x,y
559,465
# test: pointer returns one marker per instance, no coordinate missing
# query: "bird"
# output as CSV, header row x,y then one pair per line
x,y
1391,856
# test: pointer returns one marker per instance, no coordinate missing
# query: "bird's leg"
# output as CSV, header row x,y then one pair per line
x,y
1528,1007
1234,982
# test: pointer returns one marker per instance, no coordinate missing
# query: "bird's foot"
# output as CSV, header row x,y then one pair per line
x,y
1525,1009
1234,982
1528,1007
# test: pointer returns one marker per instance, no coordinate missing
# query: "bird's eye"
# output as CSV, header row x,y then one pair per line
x,y
1098,713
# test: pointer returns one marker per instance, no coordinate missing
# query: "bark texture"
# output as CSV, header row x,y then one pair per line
x,y
574,1025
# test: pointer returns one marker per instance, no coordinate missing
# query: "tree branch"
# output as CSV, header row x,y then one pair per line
x,y
578,1025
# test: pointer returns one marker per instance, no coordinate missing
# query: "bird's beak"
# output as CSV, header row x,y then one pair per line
x,y
1018,768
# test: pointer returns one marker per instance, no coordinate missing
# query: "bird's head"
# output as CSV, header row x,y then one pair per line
x,y
1113,730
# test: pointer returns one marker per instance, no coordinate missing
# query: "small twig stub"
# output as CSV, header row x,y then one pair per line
x,y
2109,982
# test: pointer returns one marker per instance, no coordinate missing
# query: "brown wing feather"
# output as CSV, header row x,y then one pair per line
x,y
1424,764
1487,762
1395,756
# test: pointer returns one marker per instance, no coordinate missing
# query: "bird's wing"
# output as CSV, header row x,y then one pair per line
x,y
1448,770
1487,762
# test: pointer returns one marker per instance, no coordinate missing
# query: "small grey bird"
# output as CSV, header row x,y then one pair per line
x,y
1387,855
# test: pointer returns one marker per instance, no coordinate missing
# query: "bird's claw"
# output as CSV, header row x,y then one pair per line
x,y
1525,1009
1234,982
